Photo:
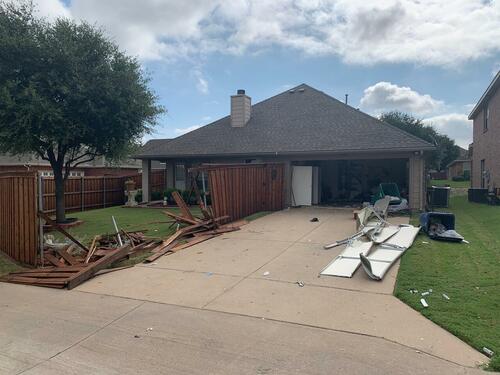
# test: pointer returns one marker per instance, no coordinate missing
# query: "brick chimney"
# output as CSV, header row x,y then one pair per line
x,y
241,107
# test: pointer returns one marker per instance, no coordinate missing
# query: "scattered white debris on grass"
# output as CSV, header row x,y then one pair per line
x,y
424,302
445,296
488,352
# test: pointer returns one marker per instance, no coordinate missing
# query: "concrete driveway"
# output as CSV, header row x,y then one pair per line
x,y
213,310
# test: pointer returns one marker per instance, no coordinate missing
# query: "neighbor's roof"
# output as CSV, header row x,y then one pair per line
x,y
490,91
299,120
456,161
33,160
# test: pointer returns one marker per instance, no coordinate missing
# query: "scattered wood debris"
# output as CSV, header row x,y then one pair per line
x,y
69,265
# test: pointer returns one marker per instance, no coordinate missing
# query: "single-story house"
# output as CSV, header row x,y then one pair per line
x,y
332,153
486,137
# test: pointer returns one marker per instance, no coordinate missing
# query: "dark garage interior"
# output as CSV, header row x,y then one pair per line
x,y
354,181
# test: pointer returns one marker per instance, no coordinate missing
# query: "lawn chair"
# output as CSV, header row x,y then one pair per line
x,y
388,189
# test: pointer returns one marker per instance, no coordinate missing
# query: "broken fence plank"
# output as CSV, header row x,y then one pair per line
x,y
181,218
67,257
98,265
193,241
182,205
53,260
56,226
92,249
108,270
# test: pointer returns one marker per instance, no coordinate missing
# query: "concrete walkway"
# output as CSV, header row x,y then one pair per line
x,y
52,332
213,310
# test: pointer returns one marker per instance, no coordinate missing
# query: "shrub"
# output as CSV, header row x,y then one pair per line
x,y
156,196
168,193
138,197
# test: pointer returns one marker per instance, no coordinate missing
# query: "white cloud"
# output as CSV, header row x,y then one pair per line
x,y
454,125
180,131
425,32
52,9
385,96
201,82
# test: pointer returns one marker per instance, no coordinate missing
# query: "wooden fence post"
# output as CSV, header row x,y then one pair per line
x,y
104,191
82,193
40,224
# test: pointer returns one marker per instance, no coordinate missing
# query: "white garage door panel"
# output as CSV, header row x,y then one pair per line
x,y
302,181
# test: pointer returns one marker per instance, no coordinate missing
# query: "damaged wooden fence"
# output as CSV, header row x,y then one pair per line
x,y
18,216
240,190
86,193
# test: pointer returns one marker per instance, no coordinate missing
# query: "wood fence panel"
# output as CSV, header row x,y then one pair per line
x,y
87,193
241,190
18,216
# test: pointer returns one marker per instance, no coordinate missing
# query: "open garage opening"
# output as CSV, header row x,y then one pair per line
x,y
346,182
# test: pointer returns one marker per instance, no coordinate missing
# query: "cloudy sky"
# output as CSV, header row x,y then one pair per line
x,y
430,58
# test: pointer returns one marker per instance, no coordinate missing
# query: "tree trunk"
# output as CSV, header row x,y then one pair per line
x,y
60,205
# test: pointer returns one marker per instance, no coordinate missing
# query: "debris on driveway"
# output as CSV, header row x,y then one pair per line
x,y
376,246
72,264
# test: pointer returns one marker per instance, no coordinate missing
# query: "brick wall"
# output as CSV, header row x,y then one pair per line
x,y
487,144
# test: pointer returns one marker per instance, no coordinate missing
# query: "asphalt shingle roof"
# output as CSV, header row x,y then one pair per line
x,y
305,121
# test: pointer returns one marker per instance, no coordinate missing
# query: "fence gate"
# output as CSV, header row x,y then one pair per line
x,y
19,229
240,190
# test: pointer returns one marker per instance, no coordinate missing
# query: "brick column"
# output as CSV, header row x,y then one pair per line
x,y
416,183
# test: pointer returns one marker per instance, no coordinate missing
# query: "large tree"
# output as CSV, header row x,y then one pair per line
x,y
446,149
67,93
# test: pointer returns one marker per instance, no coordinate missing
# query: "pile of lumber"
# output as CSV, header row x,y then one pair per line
x,y
191,229
67,266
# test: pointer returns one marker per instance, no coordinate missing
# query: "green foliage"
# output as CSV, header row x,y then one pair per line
x,y
468,273
466,175
156,196
168,193
7,265
446,150
67,93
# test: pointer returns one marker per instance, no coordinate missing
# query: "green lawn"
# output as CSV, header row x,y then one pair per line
x,y
451,183
7,265
468,273
130,219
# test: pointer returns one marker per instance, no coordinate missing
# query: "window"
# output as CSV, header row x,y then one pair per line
x,y
180,176
76,174
486,115
47,174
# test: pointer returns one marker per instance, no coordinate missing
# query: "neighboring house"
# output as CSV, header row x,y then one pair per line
x,y
346,153
97,167
457,168
486,134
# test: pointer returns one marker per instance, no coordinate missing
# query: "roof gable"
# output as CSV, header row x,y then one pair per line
x,y
299,120
490,91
